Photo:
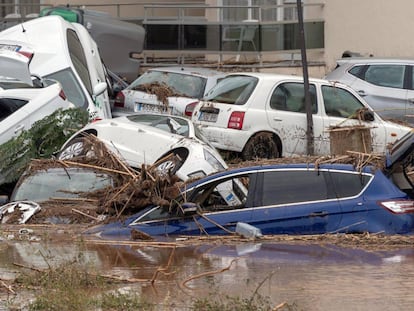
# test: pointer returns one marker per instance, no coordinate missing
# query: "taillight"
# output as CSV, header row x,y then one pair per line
x,y
95,120
236,120
27,54
62,94
189,109
399,206
119,100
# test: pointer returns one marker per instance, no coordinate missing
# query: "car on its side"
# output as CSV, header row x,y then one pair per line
x,y
286,198
172,142
386,84
189,84
22,103
64,52
263,115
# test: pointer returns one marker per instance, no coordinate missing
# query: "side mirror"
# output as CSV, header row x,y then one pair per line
x,y
189,208
99,88
368,115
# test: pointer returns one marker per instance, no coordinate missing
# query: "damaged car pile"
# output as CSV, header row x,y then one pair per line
x,y
144,174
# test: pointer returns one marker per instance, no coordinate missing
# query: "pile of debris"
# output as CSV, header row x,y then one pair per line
x,y
133,189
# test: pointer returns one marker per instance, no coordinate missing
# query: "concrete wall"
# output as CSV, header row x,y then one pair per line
x,y
378,27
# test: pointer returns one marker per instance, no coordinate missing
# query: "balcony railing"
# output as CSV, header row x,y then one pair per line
x,y
186,30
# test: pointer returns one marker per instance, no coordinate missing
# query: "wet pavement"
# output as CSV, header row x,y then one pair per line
x,y
310,275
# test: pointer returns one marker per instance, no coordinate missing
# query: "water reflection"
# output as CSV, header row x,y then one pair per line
x,y
312,276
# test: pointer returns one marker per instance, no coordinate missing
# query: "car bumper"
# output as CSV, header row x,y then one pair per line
x,y
226,139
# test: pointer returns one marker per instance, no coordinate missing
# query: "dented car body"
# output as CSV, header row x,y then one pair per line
x,y
263,115
173,142
298,198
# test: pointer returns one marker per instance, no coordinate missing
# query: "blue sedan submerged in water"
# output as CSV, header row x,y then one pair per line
x,y
287,199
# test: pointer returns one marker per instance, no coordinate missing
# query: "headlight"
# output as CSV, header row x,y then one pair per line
x,y
214,162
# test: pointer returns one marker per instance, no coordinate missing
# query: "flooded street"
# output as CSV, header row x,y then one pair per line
x,y
306,275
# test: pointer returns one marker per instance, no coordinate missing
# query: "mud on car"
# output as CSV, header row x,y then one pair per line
x,y
263,115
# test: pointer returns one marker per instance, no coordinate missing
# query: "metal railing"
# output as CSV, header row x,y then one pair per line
x,y
193,30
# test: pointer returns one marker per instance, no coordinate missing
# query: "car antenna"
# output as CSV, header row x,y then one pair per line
x,y
23,29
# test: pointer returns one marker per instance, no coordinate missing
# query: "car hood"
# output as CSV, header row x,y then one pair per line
x,y
402,151
15,65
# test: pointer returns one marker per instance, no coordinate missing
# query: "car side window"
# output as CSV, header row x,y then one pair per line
x,y
78,58
226,194
290,96
291,186
9,106
340,103
348,184
386,75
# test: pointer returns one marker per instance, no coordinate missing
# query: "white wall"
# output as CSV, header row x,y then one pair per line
x,y
379,27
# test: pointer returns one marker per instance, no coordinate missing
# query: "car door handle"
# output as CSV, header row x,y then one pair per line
x,y
276,119
318,214
18,128
362,93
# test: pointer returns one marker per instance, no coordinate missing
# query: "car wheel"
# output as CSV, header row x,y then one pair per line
x,y
170,163
75,148
260,146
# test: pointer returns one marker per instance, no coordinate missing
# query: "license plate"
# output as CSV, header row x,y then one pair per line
x,y
9,47
148,108
208,117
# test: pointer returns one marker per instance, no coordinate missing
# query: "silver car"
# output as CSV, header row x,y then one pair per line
x,y
386,84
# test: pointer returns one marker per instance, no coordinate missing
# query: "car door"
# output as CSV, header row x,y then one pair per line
x,y
341,109
286,115
214,207
384,88
349,188
295,201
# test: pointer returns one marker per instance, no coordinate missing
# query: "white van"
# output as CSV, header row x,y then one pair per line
x,y
65,52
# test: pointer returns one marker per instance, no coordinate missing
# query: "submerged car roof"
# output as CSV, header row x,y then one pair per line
x,y
15,65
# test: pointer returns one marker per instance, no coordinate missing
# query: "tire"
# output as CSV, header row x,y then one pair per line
x,y
170,163
75,148
260,146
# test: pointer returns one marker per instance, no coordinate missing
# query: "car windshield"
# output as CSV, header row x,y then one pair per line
x,y
59,182
166,123
70,86
182,84
234,90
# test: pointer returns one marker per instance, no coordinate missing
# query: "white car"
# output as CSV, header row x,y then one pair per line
x,y
386,84
21,103
262,115
146,138
64,52
189,85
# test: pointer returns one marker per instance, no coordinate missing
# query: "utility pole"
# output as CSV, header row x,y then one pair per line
x,y
308,103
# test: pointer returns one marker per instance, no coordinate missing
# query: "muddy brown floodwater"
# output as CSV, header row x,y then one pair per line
x,y
319,273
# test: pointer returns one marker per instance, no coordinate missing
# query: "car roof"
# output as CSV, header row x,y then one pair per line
x,y
269,167
196,71
374,60
276,76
